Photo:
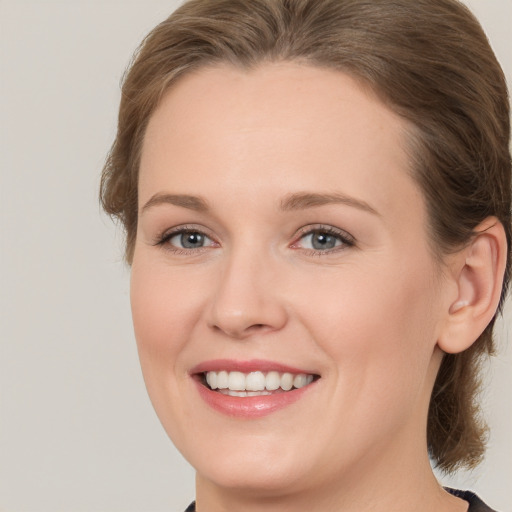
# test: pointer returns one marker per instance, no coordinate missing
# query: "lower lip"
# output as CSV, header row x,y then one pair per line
x,y
250,406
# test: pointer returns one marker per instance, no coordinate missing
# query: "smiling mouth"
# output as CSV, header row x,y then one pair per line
x,y
238,384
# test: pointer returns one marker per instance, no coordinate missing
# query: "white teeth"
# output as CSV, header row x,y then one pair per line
x,y
299,381
287,381
255,383
222,380
302,380
236,393
236,381
243,393
258,393
273,381
211,378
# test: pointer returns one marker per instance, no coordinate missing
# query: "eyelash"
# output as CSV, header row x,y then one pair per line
x,y
345,238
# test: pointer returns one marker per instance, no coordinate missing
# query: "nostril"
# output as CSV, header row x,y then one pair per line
x,y
258,327
240,331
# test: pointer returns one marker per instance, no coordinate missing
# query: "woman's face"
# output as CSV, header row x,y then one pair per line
x,y
282,242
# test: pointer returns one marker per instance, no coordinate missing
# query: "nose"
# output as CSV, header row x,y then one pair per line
x,y
247,300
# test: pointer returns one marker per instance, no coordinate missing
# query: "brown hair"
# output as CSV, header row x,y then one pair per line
x,y
429,60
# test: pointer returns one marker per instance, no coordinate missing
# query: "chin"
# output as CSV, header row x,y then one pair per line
x,y
270,479
260,466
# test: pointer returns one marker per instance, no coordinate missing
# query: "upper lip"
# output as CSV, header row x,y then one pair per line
x,y
253,365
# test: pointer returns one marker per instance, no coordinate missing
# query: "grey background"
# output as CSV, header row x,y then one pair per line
x,y
77,432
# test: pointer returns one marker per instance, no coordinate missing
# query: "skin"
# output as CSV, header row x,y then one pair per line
x,y
366,316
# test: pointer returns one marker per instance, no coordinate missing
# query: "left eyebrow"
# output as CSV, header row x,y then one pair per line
x,y
303,200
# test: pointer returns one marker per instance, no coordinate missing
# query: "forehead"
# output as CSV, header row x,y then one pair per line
x,y
277,123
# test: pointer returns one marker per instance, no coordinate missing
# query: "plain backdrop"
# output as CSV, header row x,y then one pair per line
x,y
77,432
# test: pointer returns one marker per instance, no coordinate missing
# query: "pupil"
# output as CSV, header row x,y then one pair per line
x,y
192,240
323,241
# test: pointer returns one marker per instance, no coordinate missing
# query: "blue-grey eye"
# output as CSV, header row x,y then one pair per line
x,y
320,241
190,240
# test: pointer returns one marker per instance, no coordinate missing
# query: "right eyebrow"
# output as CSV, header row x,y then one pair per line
x,y
185,201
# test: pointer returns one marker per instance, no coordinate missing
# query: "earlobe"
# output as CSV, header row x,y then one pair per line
x,y
478,270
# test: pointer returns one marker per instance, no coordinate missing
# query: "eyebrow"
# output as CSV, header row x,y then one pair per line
x,y
185,201
303,200
297,201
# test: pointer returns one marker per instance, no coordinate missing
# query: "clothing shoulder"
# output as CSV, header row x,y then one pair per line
x,y
475,503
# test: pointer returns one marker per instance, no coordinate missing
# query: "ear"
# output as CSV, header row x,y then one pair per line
x,y
477,271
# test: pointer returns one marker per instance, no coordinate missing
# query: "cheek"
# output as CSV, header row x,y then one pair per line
x,y
165,308
378,327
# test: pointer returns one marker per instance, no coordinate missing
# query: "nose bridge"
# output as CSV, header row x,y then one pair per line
x,y
246,299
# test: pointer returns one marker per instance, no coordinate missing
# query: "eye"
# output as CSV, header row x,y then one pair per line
x,y
185,239
320,241
324,239
189,240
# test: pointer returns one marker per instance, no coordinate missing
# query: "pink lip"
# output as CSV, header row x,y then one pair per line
x,y
252,406
252,365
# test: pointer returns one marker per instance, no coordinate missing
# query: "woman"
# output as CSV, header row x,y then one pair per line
x,y
316,196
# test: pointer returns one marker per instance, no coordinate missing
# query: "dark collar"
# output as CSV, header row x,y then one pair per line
x,y
475,503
